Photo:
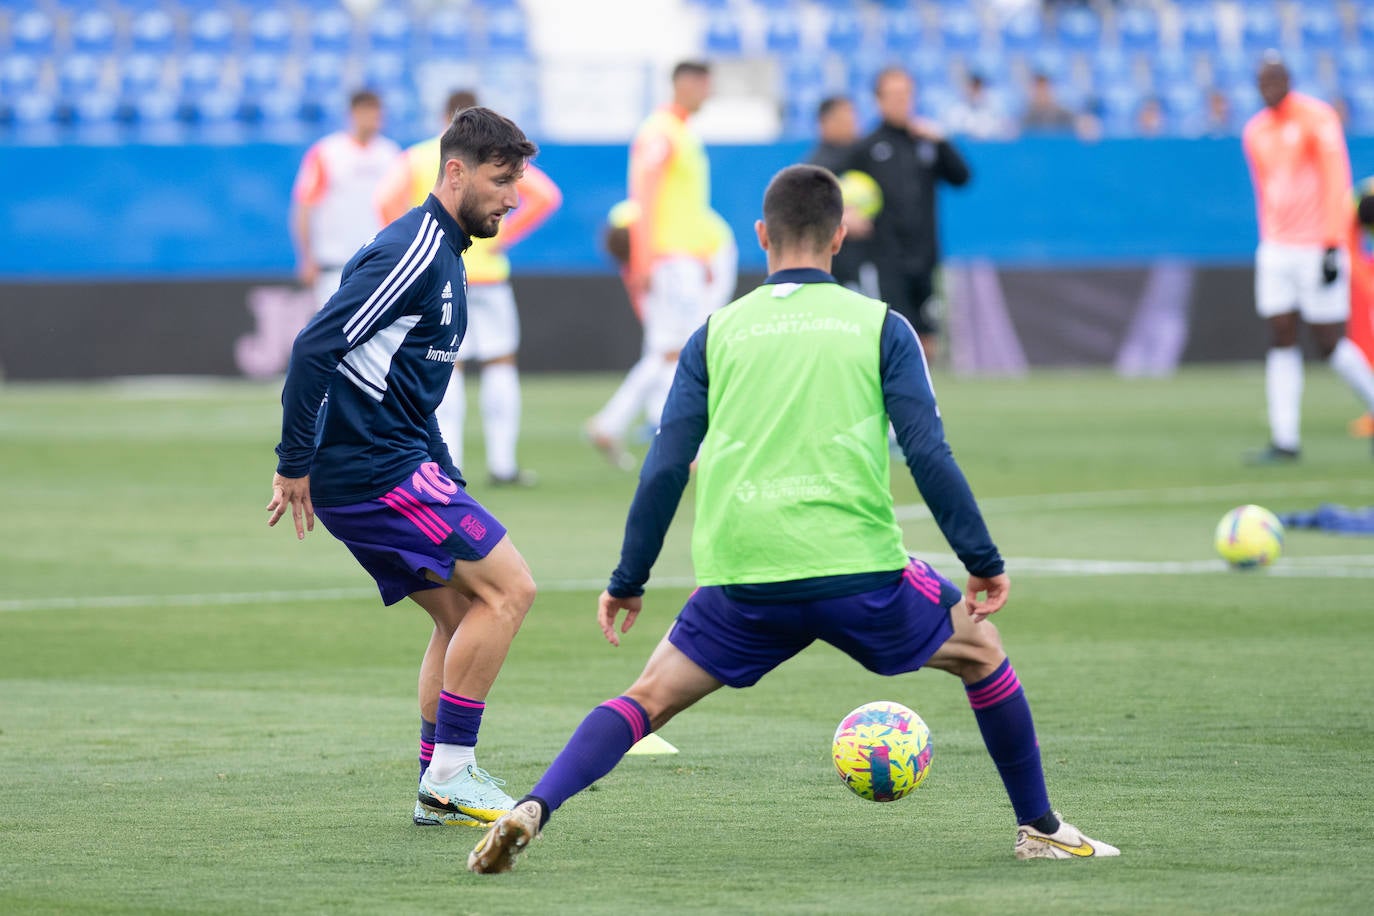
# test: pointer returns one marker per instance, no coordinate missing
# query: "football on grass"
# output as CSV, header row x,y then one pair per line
x,y
1249,536
882,751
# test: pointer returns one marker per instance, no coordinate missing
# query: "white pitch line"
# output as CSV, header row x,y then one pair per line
x,y
1333,567
1101,499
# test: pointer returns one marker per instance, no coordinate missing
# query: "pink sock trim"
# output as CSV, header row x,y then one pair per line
x,y
631,713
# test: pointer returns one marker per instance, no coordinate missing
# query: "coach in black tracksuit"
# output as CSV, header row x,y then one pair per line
x,y
907,156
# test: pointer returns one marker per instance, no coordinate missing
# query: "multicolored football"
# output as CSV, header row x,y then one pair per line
x,y
882,751
1249,536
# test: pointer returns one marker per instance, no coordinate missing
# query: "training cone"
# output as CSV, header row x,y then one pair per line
x,y
651,744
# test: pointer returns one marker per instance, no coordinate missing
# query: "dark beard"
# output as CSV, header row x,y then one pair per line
x,y
475,221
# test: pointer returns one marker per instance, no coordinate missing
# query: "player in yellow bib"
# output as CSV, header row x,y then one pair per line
x,y
493,334
672,242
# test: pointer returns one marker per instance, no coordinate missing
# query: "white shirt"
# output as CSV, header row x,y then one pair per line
x,y
338,178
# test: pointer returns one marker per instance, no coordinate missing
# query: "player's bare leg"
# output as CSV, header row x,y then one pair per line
x,y
670,683
1346,360
1283,383
499,591
500,404
447,610
974,654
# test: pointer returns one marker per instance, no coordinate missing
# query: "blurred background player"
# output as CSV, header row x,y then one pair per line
x,y
332,202
1296,151
672,240
786,565
493,334
837,130
908,157
1360,328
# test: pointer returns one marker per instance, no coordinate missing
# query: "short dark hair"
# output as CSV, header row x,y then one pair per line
x,y
479,135
459,99
363,97
889,70
829,104
691,68
617,241
1365,210
803,206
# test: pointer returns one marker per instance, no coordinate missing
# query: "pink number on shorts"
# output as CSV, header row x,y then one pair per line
x,y
433,482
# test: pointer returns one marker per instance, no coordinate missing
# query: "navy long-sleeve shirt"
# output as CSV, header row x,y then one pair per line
x,y
910,402
368,371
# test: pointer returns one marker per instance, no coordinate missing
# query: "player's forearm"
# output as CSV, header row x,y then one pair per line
x,y
950,499
301,234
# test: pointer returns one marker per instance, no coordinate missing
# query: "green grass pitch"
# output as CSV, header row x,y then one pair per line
x,y
202,715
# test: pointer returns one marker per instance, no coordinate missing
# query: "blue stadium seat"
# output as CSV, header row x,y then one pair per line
x,y
1137,29
1185,109
152,31
20,74
723,34
928,67
1050,61
507,31
1117,105
1245,100
1112,68
960,29
782,33
901,30
215,117
93,31
201,72
276,117
1354,64
1172,68
1233,69
1360,101
844,32
1023,31
331,30
141,73
1365,25
261,72
389,29
448,34
31,32
35,118
153,118
1198,29
323,75
94,118
387,73
1260,27
1079,28
270,30
210,30
78,73
1320,27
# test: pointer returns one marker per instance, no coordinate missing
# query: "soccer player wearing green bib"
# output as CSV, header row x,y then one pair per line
x,y
787,393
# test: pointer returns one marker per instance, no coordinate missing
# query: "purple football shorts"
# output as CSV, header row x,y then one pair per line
x,y
424,524
889,630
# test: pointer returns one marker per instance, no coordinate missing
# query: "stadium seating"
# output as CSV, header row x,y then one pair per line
x,y
298,58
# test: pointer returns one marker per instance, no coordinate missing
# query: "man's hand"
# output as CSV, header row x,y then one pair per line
x,y
857,225
308,272
636,282
608,607
1331,266
293,492
923,129
996,587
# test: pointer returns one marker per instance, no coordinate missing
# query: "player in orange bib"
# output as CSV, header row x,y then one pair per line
x,y
1301,171
1361,328
493,334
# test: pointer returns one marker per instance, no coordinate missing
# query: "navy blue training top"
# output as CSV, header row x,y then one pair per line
x,y
910,402
368,371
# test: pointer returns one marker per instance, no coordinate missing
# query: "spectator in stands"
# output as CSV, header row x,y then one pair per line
x,y
1149,117
837,127
1218,114
493,334
1301,171
908,157
333,210
1044,113
979,115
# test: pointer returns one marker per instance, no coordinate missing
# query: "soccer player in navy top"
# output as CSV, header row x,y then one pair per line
x,y
361,449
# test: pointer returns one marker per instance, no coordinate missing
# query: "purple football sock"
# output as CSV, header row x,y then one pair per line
x,y
458,720
1004,717
594,749
426,743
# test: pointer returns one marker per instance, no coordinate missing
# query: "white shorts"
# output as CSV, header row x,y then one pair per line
x,y
493,325
724,277
675,305
1288,278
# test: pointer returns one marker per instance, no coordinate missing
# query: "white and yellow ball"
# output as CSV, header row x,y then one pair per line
x,y
1249,536
882,751
861,192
